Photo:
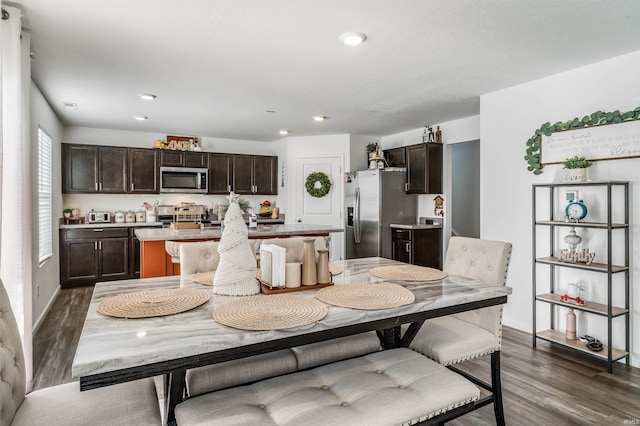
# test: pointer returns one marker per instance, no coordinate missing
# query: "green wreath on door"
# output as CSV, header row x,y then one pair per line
x,y
318,184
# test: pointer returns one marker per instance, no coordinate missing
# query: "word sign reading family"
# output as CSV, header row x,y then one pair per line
x,y
603,142
584,256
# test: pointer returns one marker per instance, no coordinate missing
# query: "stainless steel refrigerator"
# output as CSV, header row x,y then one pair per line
x,y
374,199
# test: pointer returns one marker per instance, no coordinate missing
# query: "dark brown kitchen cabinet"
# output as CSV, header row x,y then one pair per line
x,y
255,174
421,247
220,173
396,157
424,168
89,255
93,169
170,158
143,171
134,257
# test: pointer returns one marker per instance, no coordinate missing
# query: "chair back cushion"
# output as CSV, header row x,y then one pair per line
x,y
484,260
198,257
479,259
12,371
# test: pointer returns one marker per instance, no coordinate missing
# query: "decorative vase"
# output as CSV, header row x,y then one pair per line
x,y
324,277
309,270
576,175
571,326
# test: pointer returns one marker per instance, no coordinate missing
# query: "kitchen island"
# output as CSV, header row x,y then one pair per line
x,y
156,262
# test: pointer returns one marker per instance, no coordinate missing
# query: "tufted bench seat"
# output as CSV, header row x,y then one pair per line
x,y
392,387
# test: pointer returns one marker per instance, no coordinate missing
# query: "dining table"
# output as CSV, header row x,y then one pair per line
x,y
114,350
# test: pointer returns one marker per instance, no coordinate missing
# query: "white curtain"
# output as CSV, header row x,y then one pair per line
x,y
15,184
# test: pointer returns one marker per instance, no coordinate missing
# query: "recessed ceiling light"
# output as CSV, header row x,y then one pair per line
x,y
70,105
319,118
140,117
353,38
284,132
147,96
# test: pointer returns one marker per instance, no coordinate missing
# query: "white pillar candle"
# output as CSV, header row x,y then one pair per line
x,y
292,275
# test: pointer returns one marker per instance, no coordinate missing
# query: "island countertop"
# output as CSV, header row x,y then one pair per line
x,y
298,229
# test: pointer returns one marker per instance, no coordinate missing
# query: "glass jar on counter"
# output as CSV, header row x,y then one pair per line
x,y
129,217
141,216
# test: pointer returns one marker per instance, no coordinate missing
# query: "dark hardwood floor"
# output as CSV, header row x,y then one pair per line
x,y
546,385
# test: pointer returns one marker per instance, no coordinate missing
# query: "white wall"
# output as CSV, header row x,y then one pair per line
x,y
47,275
508,118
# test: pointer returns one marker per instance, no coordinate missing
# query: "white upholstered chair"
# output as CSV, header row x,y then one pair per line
x,y
201,256
128,403
455,338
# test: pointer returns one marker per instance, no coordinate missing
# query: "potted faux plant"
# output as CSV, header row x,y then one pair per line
x,y
66,213
372,149
577,168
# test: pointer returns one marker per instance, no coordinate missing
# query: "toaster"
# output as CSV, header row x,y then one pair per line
x,y
99,217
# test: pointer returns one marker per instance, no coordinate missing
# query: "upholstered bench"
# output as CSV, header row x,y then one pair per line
x,y
392,387
258,367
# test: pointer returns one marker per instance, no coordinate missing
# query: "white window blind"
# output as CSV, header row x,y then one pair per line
x,y
45,240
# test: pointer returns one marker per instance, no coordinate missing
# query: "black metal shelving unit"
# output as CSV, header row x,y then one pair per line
x,y
610,354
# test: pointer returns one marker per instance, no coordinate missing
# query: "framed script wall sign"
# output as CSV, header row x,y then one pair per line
x,y
603,142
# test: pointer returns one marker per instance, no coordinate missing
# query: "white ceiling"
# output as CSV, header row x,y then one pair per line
x,y
218,66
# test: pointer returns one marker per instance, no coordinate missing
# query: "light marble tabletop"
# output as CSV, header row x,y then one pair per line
x,y
164,234
112,345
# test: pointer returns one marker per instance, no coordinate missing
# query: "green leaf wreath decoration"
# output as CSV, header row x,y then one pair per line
x,y
533,144
315,190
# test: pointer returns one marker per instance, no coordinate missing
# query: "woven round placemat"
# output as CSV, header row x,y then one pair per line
x,y
335,269
366,296
153,303
206,278
273,312
408,273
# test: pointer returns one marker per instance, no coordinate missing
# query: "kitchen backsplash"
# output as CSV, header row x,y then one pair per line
x,y
125,202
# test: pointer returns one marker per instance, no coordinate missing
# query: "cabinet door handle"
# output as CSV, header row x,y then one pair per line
x,y
406,186
100,186
133,186
95,245
407,247
229,188
98,230
96,186
100,245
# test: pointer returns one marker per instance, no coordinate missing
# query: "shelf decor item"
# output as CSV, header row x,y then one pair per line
x,y
576,169
317,184
572,239
571,325
575,211
309,270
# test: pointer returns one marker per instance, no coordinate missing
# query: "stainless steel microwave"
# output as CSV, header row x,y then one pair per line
x,y
184,179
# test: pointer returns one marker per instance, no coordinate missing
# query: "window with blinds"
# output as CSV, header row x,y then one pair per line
x,y
45,233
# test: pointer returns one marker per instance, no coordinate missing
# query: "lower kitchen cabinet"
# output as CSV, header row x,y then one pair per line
x,y
89,255
421,247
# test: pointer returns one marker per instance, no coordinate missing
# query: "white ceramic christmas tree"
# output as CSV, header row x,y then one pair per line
x,y
236,273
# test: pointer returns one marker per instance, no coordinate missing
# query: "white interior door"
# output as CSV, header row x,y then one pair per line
x,y
321,211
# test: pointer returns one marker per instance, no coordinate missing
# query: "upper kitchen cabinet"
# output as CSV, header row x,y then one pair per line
x,y
143,171
170,158
424,168
90,169
255,174
396,157
220,173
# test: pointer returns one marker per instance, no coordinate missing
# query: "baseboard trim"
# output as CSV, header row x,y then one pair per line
x,y
45,311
